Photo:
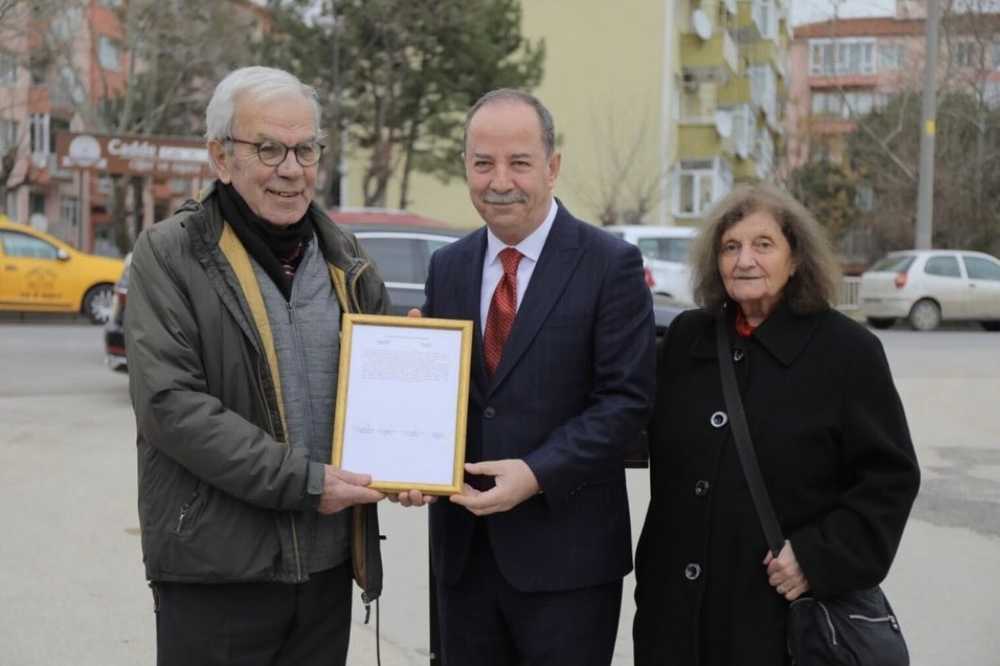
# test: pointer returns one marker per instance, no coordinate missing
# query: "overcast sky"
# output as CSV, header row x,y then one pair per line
x,y
808,11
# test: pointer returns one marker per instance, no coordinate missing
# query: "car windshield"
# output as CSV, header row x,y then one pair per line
x,y
665,249
894,263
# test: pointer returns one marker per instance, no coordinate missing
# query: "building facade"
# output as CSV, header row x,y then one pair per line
x,y
660,106
61,63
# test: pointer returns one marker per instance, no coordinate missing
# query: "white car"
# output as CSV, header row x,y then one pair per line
x,y
928,286
665,253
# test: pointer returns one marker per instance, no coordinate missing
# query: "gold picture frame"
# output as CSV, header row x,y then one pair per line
x,y
402,401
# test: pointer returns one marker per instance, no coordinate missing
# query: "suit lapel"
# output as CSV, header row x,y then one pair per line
x,y
469,297
550,277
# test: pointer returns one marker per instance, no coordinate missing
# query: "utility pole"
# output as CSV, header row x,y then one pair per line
x,y
925,191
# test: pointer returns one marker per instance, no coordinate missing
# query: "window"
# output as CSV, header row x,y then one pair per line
x,y
743,126
829,57
56,125
698,184
897,263
890,57
943,266
980,268
70,210
821,60
966,54
67,23
16,244
764,153
764,90
765,15
8,69
8,134
665,249
844,105
856,56
108,54
40,140
397,259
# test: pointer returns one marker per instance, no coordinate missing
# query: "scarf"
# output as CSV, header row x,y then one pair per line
x,y
278,250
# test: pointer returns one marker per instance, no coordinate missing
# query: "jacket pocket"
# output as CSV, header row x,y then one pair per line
x,y
191,509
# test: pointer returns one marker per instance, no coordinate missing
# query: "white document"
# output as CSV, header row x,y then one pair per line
x,y
401,416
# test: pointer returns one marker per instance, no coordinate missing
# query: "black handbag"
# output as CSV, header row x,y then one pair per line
x,y
858,628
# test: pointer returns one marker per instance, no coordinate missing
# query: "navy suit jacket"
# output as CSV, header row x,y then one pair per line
x,y
574,385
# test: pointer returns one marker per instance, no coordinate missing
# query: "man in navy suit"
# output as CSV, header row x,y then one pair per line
x,y
529,558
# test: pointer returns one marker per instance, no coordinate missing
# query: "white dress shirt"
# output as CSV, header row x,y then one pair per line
x,y
530,247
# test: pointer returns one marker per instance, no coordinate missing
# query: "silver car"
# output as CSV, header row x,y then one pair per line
x,y
926,287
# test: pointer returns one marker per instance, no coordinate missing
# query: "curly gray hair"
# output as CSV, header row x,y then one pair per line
x,y
817,273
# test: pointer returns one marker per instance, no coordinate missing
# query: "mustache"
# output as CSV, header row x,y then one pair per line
x,y
508,198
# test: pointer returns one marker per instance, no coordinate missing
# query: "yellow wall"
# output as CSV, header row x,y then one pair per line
x,y
603,82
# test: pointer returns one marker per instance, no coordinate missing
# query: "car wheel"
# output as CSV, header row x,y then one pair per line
x,y
991,325
881,322
97,303
925,315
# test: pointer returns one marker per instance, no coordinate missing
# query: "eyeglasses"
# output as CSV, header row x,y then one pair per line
x,y
273,153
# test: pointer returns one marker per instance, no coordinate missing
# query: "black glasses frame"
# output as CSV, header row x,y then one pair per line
x,y
295,151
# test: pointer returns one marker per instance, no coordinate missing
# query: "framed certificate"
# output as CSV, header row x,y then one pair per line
x,y
402,398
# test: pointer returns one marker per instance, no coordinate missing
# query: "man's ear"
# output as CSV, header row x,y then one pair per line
x,y
552,169
221,160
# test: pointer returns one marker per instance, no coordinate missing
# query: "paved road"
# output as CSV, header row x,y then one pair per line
x,y
71,582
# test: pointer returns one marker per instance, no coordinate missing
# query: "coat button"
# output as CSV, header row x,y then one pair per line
x,y
489,412
737,355
718,419
692,571
701,488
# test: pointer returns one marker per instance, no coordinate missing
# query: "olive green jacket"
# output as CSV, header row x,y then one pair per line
x,y
221,494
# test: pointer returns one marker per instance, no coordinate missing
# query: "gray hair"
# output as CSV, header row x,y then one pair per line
x,y
259,83
817,272
512,95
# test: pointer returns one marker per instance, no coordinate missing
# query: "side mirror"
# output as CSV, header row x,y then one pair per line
x,y
62,255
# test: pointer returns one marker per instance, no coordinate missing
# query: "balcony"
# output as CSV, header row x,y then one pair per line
x,y
715,58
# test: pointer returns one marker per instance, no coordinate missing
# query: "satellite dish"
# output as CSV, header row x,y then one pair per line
x,y
701,23
724,123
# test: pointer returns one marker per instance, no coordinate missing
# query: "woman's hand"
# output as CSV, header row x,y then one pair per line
x,y
784,573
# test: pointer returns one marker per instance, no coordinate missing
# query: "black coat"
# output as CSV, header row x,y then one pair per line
x,y
835,453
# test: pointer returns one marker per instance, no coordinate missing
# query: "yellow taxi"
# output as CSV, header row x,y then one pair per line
x,y
40,273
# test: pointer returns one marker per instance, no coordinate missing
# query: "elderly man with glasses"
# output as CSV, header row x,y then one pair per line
x,y
249,538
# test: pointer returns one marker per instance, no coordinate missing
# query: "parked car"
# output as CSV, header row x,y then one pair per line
x,y
402,255
43,274
664,252
114,329
926,287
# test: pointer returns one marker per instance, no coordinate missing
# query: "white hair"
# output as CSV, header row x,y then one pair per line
x,y
259,83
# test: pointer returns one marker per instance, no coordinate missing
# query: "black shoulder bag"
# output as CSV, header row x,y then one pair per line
x,y
858,628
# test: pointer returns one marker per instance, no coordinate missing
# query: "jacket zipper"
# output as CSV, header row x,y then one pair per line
x,y
291,517
891,619
186,508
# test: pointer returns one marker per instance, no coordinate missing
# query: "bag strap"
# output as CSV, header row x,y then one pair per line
x,y
744,445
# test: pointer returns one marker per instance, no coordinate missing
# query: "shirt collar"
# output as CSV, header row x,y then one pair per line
x,y
530,247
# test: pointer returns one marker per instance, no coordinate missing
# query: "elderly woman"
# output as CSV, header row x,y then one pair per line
x,y
827,426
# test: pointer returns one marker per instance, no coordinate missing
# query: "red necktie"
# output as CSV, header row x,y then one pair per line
x,y
503,308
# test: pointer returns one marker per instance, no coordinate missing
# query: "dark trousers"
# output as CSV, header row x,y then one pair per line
x,y
484,621
255,624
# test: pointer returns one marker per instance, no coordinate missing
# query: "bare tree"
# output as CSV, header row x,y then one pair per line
x,y
626,186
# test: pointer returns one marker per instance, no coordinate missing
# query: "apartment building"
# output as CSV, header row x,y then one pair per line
x,y
733,70
676,99
60,62
843,69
